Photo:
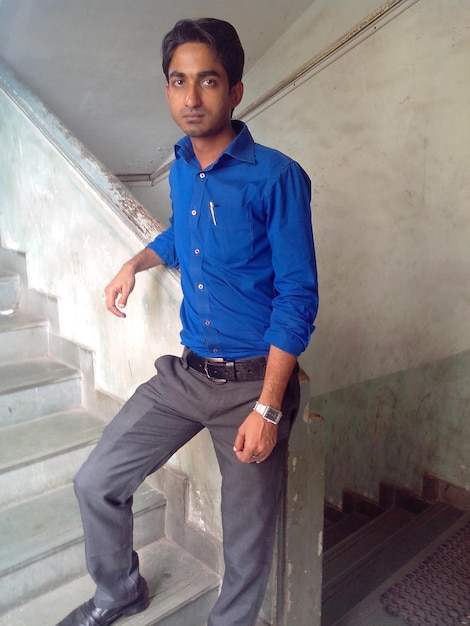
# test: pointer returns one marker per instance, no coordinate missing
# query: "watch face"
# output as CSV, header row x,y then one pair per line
x,y
269,414
272,415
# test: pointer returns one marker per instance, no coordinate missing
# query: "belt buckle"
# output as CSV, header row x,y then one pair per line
x,y
206,370
222,363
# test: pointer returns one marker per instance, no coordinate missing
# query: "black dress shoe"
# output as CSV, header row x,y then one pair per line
x,y
90,615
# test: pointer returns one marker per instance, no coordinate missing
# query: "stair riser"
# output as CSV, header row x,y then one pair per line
x,y
10,290
68,562
23,343
26,404
37,478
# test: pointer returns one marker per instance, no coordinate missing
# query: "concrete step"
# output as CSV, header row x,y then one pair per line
x,y
335,533
44,454
345,554
35,388
42,541
182,590
372,559
22,337
45,435
10,290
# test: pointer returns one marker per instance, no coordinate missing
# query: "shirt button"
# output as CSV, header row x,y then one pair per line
x,y
207,323
200,286
193,212
202,175
215,350
197,251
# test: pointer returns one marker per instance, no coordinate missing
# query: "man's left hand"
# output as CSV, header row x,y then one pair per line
x,y
255,440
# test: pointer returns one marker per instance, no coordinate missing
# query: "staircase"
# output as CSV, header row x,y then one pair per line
x,y
46,433
370,547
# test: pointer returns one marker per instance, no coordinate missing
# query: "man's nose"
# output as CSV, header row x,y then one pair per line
x,y
192,97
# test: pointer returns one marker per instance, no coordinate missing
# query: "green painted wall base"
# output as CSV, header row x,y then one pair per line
x,y
396,428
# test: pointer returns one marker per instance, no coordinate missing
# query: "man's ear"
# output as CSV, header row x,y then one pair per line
x,y
236,94
167,91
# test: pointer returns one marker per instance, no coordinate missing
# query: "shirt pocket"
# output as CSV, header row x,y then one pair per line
x,y
229,235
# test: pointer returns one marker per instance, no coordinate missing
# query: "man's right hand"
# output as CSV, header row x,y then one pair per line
x,y
118,290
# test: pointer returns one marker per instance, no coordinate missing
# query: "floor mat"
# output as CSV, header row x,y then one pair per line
x,y
437,592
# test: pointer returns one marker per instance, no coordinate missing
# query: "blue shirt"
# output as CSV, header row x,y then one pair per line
x,y
241,234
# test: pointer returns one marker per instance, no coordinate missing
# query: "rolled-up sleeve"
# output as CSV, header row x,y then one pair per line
x,y
164,246
290,232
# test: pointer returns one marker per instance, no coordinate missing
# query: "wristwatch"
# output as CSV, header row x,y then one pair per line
x,y
269,414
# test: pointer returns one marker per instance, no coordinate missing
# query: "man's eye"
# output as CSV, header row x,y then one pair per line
x,y
209,82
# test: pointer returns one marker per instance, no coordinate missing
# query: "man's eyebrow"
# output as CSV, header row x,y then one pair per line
x,y
204,74
207,73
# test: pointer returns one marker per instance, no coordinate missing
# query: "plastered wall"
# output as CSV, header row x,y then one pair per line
x,y
384,132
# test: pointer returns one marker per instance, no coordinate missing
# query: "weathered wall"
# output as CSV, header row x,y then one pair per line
x,y
73,250
389,156
397,427
384,132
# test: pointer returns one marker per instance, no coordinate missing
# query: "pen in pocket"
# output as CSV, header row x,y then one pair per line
x,y
212,207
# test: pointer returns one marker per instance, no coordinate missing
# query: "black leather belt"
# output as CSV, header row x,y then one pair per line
x,y
243,369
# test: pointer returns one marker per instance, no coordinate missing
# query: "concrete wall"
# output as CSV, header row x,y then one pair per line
x,y
397,427
384,132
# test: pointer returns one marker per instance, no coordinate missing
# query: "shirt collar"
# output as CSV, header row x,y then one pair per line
x,y
241,148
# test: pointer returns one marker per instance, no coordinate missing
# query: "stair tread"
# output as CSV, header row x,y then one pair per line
x,y
174,578
26,443
19,319
366,538
335,532
348,587
34,372
39,526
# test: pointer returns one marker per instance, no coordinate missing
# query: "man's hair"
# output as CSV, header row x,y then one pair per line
x,y
219,35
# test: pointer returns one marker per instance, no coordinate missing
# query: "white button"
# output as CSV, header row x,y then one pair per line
x,y
215,350
193,212
207,323
200,286
202,175
197,251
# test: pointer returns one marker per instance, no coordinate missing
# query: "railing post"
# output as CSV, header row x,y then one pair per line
x,y
294,592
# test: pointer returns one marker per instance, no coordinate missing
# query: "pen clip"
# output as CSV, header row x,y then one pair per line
x,y
212,207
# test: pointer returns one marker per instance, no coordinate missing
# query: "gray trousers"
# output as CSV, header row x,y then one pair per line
x,y
162,415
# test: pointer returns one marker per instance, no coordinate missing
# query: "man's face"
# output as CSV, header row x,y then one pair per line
x,y
198,91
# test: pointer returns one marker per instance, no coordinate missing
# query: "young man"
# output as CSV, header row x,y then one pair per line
x,y
241,235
